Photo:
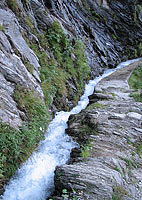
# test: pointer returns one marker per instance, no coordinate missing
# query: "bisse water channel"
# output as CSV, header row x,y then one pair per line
x,y
34,180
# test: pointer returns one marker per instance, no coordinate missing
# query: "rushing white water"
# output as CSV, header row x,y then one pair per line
x,y
35,178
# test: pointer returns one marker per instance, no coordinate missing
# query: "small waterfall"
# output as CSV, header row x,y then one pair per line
x,y
34,180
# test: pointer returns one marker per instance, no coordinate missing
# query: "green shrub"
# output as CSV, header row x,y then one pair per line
x,y
17,145
32,105
135,78
85,150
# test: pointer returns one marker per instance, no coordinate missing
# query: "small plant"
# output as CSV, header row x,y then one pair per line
x,y
139,149
29,66
29,22
2,28
140,49
13,5
117,169
136,83
85,151
118,192
130,163
114,37
65,194
133,153
96,105
25,1
113,94
128,140
135,16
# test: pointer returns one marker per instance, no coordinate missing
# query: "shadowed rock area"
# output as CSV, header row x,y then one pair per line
x,y
111,131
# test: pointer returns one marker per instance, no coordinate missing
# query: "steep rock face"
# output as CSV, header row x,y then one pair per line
x,y
109,29
112,169
44,61
12,69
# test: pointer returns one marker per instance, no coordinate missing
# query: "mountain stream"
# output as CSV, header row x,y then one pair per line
x,y
34,180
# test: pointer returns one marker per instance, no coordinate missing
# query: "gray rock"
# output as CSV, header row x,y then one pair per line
x,y
113,167
12,69
134,115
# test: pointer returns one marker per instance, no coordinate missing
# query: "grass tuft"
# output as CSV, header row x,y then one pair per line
x,y
135,82
13,5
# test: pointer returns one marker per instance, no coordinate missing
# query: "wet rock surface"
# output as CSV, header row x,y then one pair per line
x,y
114,131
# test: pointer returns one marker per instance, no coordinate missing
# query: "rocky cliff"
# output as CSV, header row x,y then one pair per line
x,y
108,165
45,50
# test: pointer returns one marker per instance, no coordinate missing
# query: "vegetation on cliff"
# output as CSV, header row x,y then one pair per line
x,y
64,68
68,62
17,145
135,82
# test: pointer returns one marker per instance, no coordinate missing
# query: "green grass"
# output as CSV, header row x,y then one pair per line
x,y
85,151
17,145
96,105
13,5
139,149
117,169
135,82
64,51
69,63
130,163
118,193
29,22
29,66
25,1
2,28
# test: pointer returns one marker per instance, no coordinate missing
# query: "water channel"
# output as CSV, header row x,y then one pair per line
x,y
34,180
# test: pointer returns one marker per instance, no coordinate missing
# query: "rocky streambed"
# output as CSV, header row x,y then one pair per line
x,y
108,165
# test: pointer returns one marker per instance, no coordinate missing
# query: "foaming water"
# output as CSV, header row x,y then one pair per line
x,y
34,180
